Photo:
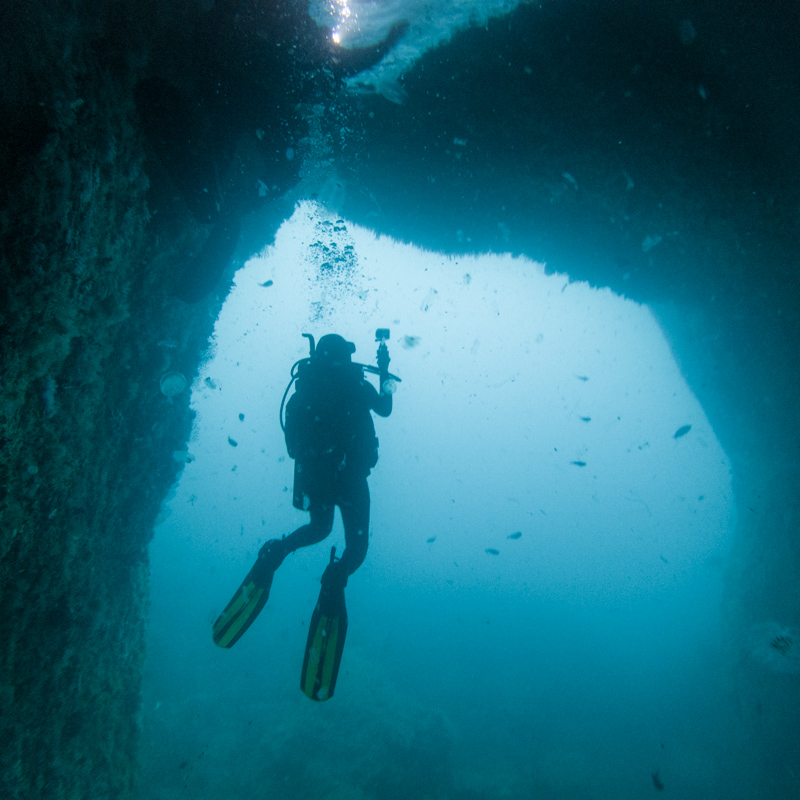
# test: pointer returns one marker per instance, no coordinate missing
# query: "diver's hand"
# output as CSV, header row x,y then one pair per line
x,y
383,358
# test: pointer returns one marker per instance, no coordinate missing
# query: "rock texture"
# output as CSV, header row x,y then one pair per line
x,y
88,328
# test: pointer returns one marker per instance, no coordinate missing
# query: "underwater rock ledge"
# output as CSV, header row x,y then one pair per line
x,y
87,436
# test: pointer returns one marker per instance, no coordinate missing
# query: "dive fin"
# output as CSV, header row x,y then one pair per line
x,y
243,608
326,635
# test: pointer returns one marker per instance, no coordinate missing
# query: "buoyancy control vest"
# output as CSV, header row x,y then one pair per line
x,y
328,419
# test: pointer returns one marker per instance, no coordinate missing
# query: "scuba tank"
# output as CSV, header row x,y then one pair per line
x,y
323,433
299,367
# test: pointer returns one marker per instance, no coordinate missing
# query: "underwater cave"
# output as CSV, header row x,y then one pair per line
x,y
580,222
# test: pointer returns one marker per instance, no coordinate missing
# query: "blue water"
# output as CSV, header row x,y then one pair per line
x,y
565,665
586,658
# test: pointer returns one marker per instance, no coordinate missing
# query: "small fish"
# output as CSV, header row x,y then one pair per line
x,y
492,552
578,463
241,417
586,419
664,560
783,644
682,431
232,442
514,535
657,781
266,283
432,540
583,378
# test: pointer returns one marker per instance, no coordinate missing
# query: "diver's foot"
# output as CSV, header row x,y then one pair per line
x,y
270,557
335,576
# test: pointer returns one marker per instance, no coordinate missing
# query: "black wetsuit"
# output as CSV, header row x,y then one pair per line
x,y
331,436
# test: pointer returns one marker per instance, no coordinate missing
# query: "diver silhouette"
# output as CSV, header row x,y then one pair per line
x,y
331,437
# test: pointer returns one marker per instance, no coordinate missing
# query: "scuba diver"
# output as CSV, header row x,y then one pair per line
x,y
331,437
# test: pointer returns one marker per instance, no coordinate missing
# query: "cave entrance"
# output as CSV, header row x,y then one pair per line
x,y
551,512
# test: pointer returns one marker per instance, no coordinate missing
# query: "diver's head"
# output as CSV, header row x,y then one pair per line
x,y
334,349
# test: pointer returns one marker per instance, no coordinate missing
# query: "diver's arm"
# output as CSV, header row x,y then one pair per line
x,y
384,397
379,402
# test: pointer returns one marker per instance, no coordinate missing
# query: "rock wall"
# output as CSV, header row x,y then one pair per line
x,y
88,328
137,138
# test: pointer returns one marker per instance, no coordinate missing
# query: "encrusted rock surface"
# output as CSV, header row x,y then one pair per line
x,y
88,327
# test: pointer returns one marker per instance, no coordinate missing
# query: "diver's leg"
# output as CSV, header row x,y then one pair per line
x,y
253,594
318,488
318,527
353,502
328,626
271,555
